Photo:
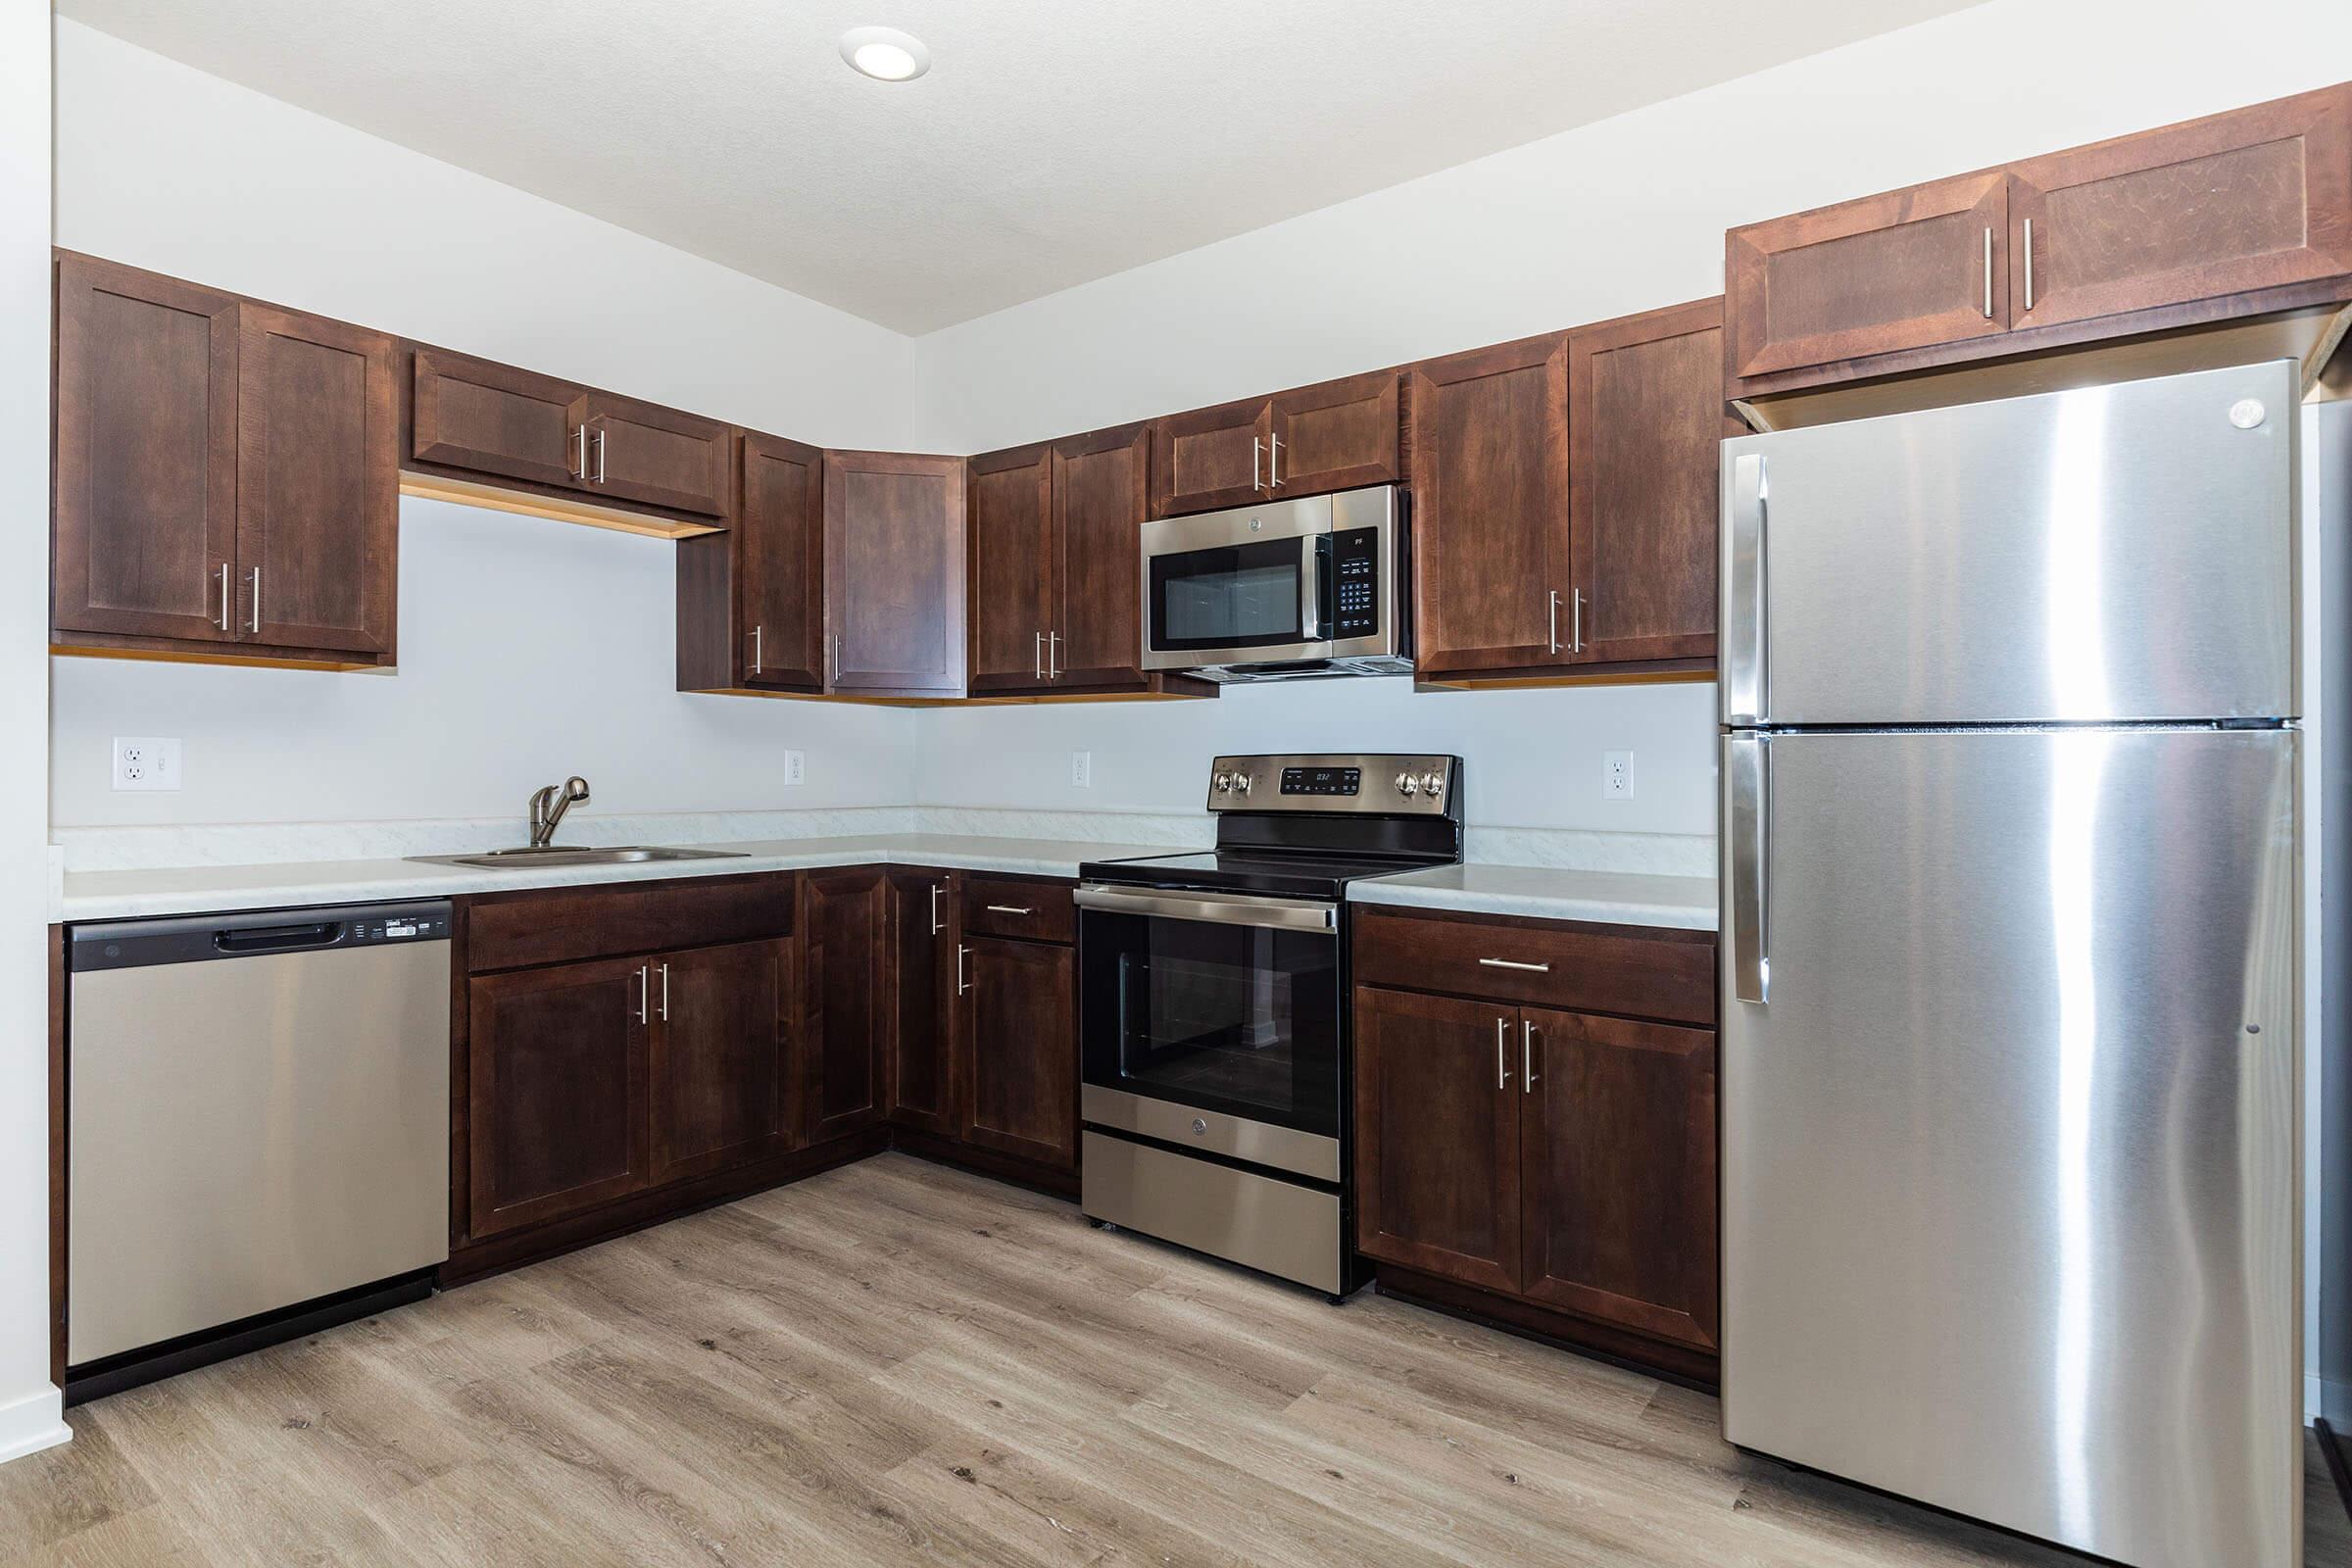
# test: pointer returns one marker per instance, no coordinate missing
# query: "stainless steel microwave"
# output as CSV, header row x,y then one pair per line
x,y
1283,590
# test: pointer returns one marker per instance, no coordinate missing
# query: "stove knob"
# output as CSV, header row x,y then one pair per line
x,y
1222,783
1433,785
1407,785
1240,782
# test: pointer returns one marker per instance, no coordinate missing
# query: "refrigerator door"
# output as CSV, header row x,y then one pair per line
x,y
2115,552
2010,1181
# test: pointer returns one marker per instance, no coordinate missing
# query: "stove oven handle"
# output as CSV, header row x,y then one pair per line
x,y
1219,908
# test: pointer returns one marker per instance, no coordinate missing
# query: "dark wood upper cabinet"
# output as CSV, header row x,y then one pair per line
x,y
722,1089
1333,436
2254,199
146,486
779,545
639,452
1013,570
845,956
318,482
1489,440
1018,1039
473,414
1618,1154
556,1084
894,573
1100,495
1210,458
921,1059
1645,423
1436,1136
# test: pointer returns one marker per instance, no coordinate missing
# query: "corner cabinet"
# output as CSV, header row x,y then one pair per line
x,y
894,574
226,484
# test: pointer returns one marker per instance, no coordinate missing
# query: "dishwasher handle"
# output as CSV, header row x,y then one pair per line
x,y
225,937
279,938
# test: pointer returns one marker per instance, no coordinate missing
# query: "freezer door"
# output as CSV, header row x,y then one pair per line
x,y
2010,1181
2115,552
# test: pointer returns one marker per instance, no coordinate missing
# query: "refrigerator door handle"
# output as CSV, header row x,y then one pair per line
x,y
1748,761
1745,679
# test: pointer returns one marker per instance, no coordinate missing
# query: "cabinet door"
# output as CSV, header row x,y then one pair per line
x,y
146,497
894,573
1489,463
1211,458
844,922
642,452
1436,1135
1012,567
1019,1038
555,1070
1618,1143
780,554
493,419
1906,269
1335,436
922,979
1645,423
1101,497
317,483
721,1039
2247,200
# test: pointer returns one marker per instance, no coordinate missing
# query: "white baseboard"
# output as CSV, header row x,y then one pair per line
x,y
32,1422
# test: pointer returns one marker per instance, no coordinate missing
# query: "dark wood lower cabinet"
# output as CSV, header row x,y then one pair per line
x,y
1018,1038
721,1037
844,955
920,1052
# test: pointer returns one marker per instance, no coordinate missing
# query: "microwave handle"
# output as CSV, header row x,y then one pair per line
x,y
1314,589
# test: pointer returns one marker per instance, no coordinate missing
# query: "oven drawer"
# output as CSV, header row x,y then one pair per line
x,y
1640,971
1007,906
1257,1221
1213,1132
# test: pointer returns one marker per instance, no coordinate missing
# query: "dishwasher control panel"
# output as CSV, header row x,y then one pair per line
x,y
254,934
401,928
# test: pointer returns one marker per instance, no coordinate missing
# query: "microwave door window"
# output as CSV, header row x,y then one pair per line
x,y
1244,596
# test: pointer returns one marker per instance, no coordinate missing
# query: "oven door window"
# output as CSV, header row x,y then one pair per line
x,y
1231,595
1238,1019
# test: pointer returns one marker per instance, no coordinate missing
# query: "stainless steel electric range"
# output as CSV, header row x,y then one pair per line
x,y
1213,1008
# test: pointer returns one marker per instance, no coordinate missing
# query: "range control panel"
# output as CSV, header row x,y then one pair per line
x,y
1397,784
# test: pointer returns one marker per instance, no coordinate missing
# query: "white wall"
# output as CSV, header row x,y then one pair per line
x,y
29,1404
528,650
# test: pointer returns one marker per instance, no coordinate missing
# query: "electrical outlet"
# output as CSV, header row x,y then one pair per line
x,y
796,767
146,762
1082,769
1617,775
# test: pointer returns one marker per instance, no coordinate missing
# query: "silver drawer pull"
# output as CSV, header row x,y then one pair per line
x,y
1007,909
1514,964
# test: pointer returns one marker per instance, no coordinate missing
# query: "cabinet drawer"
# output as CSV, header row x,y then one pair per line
x,y
562,925
1011,906
1636,970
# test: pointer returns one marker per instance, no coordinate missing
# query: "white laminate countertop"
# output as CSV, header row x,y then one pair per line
x,y
1550,893
219,889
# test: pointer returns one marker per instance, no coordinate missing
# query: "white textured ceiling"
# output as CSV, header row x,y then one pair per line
x,y
1054,141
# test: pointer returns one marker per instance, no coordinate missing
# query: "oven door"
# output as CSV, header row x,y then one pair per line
x,y
1237,589
1213,1021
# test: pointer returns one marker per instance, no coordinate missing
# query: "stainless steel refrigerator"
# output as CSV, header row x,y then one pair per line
x,y
2010,877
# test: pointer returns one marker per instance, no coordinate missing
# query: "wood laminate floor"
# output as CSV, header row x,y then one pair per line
x,y
899,1363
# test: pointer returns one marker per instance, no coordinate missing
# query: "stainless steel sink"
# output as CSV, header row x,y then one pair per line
x,y
574,855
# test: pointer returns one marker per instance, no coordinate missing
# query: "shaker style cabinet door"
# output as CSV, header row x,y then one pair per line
x,y
2247,200
722,1034
1100,499
1618,1151
642,452
1436,1135
473,414
779,544
1008,513
1491,539
922,950
1018,1017
1211,458
317,483
894,573
146,502
556,1068
1905,269
844,926
1333,436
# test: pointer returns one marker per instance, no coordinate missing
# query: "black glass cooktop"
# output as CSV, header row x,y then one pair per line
x,y
1283,875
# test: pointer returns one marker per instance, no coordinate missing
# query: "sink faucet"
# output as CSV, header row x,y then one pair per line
x,y
548,805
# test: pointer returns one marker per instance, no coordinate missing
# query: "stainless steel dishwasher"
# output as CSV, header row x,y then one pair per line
x,y
257,1129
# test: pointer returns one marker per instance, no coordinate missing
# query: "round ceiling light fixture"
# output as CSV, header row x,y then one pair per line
x,y
885,54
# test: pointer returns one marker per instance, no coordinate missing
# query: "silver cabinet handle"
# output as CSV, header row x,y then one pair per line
x,y
224,596
759,649
2029,264
1747,681
644,989
1576,622
1007,909
837,656
1551,619
600,455
1258,454
1502,1052
1037,655
1273,463
1747,768
937,888
962,984
665,992
1988,271
1053,656
579,436
1527,1056
1514,964
255,625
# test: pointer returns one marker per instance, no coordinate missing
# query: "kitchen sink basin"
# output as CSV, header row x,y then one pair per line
x,y
578,854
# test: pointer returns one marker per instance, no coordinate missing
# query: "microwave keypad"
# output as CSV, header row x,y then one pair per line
x,y
1355,575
